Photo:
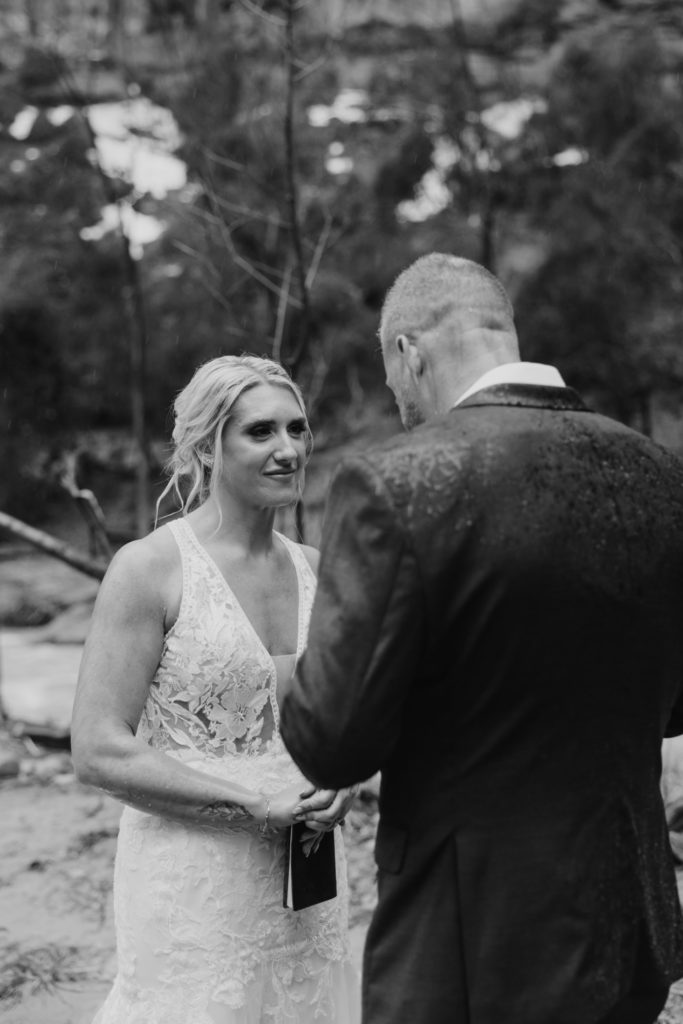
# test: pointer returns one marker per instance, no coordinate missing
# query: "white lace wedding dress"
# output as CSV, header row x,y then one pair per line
x,y
202,937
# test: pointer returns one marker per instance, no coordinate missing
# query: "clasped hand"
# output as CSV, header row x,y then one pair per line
x,y
320,809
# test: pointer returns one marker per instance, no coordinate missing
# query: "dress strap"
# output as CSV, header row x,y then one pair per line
x,y
179,529
183,536
178,532
307,584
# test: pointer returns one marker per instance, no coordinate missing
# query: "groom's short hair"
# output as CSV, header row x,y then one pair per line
x,y
439,287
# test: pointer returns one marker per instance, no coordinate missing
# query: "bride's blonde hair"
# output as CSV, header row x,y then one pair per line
x,y
202,410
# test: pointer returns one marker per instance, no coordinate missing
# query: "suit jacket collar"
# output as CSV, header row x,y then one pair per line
x,y
531,396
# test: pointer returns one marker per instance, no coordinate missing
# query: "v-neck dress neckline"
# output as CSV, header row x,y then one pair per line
x,y
267,657
211,561
216,685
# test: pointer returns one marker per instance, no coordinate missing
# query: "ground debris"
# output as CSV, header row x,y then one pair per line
x,y
359,836
25,972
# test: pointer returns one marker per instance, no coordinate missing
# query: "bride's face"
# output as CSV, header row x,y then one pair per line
x,y
264,447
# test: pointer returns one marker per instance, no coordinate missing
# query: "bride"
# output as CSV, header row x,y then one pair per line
x,y
176,715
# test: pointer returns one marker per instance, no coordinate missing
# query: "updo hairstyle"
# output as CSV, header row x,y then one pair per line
x,y
202,410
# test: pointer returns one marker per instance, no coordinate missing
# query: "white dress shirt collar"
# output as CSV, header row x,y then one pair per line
x,y
538,374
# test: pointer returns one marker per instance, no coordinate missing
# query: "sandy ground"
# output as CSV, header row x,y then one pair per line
x,y
57,843
56,849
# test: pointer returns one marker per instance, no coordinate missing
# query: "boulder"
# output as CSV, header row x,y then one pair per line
x,y
11,753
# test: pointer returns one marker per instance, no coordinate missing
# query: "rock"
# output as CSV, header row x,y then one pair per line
x,y
11,753
70,626
50,768
36,588
41,67
21,613
9,766
39,683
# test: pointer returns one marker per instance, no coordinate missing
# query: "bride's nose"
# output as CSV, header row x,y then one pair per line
x,y
285,451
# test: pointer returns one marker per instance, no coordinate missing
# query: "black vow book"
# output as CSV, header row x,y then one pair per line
x,y
308,880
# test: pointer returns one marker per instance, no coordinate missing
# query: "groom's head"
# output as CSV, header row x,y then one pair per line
x,y
445,322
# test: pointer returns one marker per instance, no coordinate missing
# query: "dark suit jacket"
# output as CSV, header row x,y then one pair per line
x,y
499,628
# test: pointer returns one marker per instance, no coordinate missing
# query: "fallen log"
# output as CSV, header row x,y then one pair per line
x,y
94,567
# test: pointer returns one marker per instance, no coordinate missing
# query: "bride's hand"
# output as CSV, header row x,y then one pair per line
x,y
281,807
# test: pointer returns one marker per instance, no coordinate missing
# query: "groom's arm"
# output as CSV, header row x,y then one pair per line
x,y
342,713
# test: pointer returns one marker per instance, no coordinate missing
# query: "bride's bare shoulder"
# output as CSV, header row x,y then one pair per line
x,y
147,563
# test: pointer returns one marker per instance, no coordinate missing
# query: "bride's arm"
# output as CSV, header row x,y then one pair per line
x,y
120,659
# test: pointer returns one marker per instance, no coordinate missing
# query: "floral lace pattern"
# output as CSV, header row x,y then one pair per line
x,y
214,690
202,937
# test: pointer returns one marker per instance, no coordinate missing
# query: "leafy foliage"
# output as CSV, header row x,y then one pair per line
x,y
591,185
606,304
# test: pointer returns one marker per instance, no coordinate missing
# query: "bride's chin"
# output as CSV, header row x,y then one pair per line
x,y
285,501
290,498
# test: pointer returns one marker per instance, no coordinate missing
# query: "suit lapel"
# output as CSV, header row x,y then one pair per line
x,y
531,396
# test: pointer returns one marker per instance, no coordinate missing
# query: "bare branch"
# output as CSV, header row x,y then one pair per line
x,y
198,256
52,546
233,165
253,8
250,214
87,505
224,161
317,380
268,269
240,260
282,311
318,252
310,68
213,291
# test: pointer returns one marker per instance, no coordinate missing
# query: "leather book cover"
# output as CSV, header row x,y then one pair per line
x,y
308,880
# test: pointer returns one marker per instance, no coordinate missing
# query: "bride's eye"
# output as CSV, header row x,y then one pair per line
x,y
259,430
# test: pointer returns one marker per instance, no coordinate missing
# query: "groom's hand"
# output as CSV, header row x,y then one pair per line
x,y
325,807
313,801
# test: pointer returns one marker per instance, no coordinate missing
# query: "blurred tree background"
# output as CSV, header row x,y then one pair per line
x,y
185,178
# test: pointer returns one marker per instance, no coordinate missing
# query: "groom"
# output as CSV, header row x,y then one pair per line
x,y
499,628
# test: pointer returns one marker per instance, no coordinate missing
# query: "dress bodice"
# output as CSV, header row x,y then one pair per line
x,y
214,691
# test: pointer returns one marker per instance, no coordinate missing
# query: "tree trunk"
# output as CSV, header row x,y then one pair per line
x,y
138,383
488,226
210,23
295,357
134,309
52,546
31,18
116,19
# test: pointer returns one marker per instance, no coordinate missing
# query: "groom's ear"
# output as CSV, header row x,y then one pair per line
x,y
411,354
